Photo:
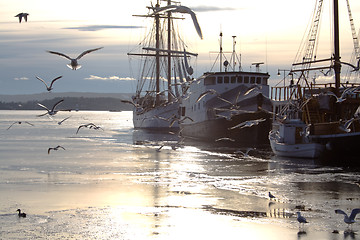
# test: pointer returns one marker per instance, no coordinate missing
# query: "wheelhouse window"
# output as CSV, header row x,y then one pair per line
x,y
258,80
239,79
210,81
246,79
264,81
233,79
219,79
252,80
226,79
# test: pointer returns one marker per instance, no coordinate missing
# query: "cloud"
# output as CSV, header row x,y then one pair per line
x,y
21,79
112,78
101,27
211,9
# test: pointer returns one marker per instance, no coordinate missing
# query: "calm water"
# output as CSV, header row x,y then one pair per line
x,y
114,184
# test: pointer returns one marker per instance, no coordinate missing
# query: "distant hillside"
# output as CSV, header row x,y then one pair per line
x,y
74,103
46,95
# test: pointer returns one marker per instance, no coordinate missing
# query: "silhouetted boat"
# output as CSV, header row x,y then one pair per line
x,y
230,106
161,52
318,120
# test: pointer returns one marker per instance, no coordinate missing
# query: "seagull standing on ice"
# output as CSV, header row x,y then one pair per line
x,y
22,15
301,219
48,88
349,219
74,61
271,196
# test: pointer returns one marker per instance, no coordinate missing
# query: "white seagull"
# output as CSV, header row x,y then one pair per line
x,y
249,123
346,126
212,91
49,88
22,15
55,148
19,123
51,111
347,91
348,219
74,61
181,9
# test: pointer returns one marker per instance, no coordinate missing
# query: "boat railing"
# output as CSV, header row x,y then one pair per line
x,y
284,93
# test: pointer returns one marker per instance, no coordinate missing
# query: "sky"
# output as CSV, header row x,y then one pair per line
x,y
266,31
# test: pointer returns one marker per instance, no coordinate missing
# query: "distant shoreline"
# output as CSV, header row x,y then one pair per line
x,y
72,101
7,98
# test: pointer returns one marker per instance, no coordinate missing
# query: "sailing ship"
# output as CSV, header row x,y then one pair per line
x,y
161,72
319,120
230,106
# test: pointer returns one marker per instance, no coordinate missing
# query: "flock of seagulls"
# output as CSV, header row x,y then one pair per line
x,y
74,65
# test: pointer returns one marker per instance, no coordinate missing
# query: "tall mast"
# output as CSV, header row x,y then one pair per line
x,y
157,55
169,54
337,65
221,51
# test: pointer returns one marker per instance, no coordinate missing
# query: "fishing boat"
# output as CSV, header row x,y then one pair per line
x,y
229,105
161,55
319,120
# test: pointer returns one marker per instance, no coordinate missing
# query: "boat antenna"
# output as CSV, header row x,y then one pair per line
x,y
221,50
234,53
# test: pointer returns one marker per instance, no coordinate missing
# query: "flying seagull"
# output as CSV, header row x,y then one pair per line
x,y
347,91
181,9
74,61
19,123
90,126
49,88
55,148
248,123
346,126
60,122
22,15
51,111
246,153
348,219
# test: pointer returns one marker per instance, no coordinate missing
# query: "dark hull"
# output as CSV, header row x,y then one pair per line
x,y
213,130
340,148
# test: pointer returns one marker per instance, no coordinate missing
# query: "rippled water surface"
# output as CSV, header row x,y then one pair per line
x,y
115,183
